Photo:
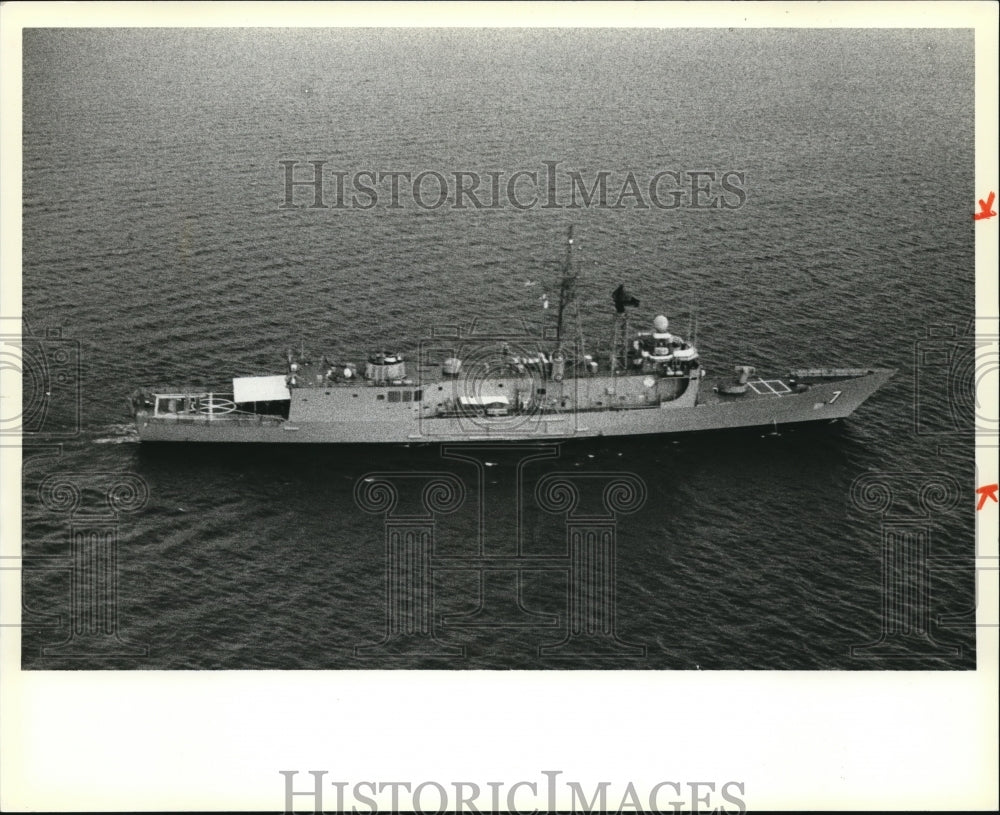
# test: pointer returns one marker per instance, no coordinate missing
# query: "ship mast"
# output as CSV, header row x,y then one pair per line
x,y
567,290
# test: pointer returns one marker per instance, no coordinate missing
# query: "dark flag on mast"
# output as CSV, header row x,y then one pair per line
x,y
622,299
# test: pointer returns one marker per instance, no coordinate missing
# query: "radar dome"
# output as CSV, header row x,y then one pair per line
x,y
661,324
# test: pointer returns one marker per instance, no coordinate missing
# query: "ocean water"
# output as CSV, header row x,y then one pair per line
x,y
156,251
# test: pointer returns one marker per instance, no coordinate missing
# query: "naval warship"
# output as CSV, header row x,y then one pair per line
x,y
480,386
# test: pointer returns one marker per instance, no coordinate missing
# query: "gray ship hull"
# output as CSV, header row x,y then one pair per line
x,y
332,418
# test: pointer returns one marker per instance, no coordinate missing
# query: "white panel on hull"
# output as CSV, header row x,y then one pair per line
x,y
483,401
260,389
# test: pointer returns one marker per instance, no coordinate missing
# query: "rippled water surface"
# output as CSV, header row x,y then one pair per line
x,y
154,240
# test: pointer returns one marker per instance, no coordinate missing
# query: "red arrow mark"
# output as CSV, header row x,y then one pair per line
x,y
986,208
989,491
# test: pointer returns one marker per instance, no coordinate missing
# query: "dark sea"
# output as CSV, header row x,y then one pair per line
x,y
156,251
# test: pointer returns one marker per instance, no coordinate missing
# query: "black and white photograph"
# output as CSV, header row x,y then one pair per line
x,y
617,350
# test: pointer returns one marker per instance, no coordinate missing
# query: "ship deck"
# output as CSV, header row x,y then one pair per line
x,y
758,388
776,387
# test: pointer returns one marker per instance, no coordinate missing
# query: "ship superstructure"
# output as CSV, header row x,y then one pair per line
x,y
479,387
